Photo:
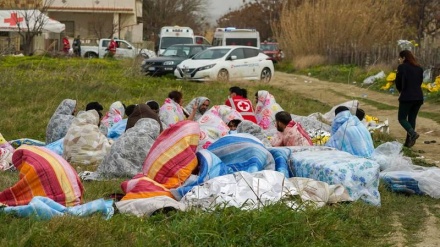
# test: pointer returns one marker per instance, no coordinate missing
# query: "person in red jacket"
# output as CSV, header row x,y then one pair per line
x,y
238,101
66,44
112,48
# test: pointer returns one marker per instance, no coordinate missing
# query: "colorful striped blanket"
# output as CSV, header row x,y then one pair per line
x,y
142,186
172,158
42,173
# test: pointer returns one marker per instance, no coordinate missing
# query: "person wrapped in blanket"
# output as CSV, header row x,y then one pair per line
x,y
290,133
349,134
128,152
265,110
61,120
202,104
172,112
84,144
115,114
238,101
119,128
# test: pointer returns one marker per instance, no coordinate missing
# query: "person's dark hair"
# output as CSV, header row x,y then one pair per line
x,y
234,123
153,104
235,90
176,96
409,57
341,109
129,110
360,114
94,106
243,93
283,117
100,116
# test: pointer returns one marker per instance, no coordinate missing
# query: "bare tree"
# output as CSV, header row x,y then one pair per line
x,y
424,17
157,14
29,18
262,15
101,27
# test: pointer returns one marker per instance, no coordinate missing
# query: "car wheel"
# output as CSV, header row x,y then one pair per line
x,y
223,75
266,75
91,55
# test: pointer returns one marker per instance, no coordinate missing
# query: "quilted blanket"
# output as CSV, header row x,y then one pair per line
x,y
359,175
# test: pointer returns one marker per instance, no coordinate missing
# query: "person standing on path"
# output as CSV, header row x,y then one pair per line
x,y
409,79
77,46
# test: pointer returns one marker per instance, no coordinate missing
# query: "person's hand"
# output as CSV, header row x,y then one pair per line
x,y
195,107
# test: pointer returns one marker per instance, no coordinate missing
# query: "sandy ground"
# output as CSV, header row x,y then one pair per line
x,y
337,93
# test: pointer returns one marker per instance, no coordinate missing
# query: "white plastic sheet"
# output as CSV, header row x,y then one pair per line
x,y
393,163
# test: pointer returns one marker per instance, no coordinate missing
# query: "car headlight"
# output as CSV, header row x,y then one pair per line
x,y
207,67
168,63
143,62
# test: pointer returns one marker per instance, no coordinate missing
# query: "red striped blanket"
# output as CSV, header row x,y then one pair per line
x,y
42,173
172,158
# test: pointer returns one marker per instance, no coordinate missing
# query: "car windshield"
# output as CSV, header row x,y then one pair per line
x,y
269,47
177,51
211,54
169,41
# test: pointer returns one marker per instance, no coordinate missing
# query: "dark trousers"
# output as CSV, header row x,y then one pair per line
x,y
407,114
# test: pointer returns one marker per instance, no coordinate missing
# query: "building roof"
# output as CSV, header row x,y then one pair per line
x,y
90,9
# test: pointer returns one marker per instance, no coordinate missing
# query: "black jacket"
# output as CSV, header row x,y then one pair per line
x,y
409,80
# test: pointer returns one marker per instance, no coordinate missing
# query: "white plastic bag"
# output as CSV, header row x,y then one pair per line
x,y
373,78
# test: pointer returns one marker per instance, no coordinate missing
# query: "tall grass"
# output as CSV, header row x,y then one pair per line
x,y
314,28
31,89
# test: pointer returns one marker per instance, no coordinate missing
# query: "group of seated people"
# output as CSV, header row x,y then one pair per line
x,y
149,141
90,137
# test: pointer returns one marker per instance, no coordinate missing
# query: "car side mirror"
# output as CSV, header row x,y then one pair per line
x,y
233,58
129,47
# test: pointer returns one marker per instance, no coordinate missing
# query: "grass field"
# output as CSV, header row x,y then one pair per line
x,y
31,89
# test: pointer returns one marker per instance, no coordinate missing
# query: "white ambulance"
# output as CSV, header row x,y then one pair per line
x,y
172,35
234,36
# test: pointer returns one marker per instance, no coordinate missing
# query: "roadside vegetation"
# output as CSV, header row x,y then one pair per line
x,y
32,87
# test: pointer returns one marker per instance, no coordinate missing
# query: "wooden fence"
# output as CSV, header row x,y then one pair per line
x,y
349,54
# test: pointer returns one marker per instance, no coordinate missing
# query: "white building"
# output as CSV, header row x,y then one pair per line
x,y
95,19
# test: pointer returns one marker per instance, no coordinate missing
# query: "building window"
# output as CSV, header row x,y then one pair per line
x,y
70,28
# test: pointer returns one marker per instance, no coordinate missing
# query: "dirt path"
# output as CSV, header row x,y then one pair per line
x,y
336,93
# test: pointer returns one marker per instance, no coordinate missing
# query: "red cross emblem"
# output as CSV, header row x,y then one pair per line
x,y
243,106
13,20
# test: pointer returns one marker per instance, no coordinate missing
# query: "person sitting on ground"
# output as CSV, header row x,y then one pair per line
x,y
360,114
266,109
61,120
202,104
142,111
233,124
95,106
118,128
128,153
290,133
238,101
84,144
114,115
349,134
171,112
